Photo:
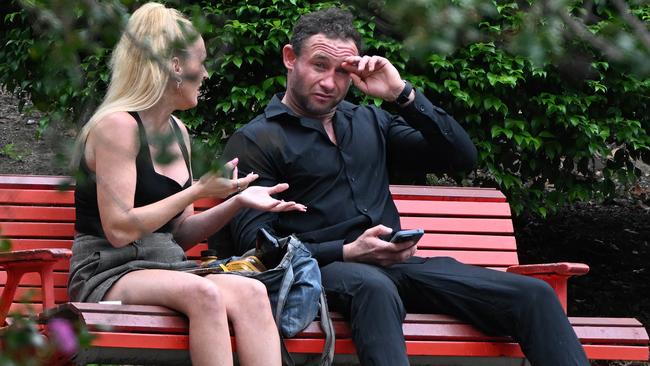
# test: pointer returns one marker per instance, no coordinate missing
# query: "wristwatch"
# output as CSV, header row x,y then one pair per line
x,y
403,97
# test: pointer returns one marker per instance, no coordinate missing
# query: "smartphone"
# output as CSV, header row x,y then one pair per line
x,y
407,235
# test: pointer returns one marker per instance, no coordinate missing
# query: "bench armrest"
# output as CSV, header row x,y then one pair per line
x,y
19,262
560,269
34,255
555,274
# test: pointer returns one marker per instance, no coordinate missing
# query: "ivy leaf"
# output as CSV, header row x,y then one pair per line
x,y
237,61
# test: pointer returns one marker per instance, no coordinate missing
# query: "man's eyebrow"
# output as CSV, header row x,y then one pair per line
x,y
321,55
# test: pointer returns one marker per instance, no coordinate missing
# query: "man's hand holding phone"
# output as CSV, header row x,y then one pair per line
x,y
373,247
407,237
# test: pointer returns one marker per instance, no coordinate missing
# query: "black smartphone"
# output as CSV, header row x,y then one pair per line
x,y
407,235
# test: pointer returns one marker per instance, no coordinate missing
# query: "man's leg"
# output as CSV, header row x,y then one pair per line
x,y
497,302
371,301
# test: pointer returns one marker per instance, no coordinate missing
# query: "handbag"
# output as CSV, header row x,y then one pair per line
x,y
293,282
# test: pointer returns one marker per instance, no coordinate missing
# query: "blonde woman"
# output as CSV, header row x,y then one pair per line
x,y
135,215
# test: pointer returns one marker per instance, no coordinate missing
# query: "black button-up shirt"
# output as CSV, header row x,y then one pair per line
x,y
343,185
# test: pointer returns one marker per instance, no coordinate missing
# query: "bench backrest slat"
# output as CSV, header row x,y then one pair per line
x,y
472,225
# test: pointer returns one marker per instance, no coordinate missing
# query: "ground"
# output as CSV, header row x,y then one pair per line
x,y
614,238
21,150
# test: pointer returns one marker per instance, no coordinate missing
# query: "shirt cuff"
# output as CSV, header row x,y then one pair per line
x,y
326,252
418,107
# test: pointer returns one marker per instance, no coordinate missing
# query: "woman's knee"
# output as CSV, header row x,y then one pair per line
x,y
202,295
252,294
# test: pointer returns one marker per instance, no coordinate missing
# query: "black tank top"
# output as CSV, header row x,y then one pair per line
x,y
150,186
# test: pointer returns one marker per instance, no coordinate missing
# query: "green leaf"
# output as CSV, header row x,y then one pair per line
x,y
5,244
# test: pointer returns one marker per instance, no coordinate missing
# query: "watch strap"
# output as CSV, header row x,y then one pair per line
x,y
403,97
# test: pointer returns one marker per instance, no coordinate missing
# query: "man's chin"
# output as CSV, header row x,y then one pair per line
x,y
319,109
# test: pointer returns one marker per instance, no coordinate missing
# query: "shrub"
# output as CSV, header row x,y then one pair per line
x,y
542,130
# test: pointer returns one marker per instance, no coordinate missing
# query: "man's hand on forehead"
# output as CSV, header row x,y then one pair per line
x,y
366,64
374,75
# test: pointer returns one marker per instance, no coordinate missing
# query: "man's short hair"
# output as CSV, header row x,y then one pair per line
x,y
333,23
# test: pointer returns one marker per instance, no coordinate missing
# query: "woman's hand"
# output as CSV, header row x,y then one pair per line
x,y
259,198
215,186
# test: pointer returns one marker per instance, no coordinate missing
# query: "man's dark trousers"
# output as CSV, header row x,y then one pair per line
x,y
376,300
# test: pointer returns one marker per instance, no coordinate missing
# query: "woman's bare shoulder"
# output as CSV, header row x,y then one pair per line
x,y
118,128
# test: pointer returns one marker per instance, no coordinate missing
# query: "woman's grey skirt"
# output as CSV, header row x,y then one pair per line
x,y
96,265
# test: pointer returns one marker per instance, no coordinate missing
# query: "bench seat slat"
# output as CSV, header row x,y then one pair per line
x,y
154,310
151,319
447,328
345,346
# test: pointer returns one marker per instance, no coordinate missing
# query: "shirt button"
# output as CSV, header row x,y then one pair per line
x,y
365,210
421,108
353,179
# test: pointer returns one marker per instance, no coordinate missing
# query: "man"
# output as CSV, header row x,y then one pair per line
x,y
336,157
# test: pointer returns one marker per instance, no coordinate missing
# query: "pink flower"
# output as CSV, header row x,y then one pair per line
x,y
63,336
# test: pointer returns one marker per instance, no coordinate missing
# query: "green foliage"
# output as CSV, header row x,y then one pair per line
x,y
23,343
542,125
9,150
55,54
5,244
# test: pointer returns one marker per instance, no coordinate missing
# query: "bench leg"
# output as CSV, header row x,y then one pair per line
x,y
13,279
47,285
15,272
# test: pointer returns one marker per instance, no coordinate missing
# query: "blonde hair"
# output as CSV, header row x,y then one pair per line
x,y
139,64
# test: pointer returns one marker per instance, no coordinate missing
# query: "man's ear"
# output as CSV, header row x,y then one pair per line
x,y
288,56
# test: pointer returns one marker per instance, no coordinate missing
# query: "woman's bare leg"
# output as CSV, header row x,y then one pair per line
x,y
249,311
195,296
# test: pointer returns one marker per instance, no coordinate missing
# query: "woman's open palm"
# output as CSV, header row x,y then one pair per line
x,y
259,198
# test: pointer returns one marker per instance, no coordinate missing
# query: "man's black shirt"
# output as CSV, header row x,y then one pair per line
x,y
345,186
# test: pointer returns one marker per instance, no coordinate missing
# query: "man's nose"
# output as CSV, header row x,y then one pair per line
x,y
327,82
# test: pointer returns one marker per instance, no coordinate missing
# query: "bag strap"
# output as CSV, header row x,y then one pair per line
x,y
327,356
285,286
283,294
287,360
326,325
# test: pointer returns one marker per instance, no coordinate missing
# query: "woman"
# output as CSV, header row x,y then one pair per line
x,y
135,215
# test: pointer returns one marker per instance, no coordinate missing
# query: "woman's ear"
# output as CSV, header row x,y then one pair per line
x,y
288,56
176,66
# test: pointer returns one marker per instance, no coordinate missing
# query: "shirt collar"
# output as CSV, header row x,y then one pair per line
x,y
276,107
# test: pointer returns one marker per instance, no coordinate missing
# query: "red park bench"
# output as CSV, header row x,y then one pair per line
x,y
473,225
